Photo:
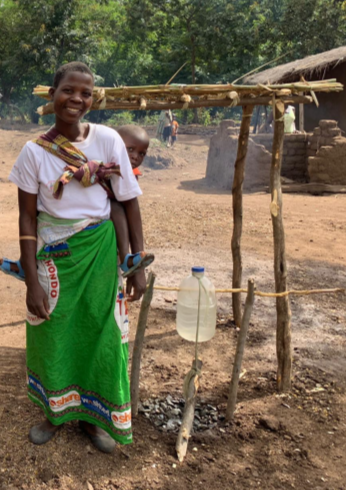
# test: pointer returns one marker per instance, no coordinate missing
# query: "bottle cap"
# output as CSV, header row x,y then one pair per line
x,y
197,269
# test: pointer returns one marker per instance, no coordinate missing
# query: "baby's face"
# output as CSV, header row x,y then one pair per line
x,y
136,149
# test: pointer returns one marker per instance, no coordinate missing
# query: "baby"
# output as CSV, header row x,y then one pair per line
x,y
136,140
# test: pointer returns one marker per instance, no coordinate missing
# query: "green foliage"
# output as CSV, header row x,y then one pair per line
x,y
120,118
138,42
150,120
204,117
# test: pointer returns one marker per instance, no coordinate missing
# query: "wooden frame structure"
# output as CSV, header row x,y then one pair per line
x,y
165,97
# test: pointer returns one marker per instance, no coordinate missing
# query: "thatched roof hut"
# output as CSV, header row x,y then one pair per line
x,y
330,64
323,66
312,67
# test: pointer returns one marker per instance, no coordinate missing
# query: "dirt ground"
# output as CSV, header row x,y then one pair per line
x,y
276,442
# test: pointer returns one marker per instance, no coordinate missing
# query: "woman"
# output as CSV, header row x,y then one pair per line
x,y
77,350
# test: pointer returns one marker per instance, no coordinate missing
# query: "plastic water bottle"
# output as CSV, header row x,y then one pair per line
x,y
191,288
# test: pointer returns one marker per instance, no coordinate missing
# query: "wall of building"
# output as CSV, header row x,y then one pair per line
x,y
319,156
331,105
294,159
222,155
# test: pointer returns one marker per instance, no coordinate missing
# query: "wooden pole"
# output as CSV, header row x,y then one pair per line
x,y
237,203
301,117
283,310
257,120
233,391
138,344
191,385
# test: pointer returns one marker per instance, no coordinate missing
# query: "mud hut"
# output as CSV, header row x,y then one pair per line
x,y
323,66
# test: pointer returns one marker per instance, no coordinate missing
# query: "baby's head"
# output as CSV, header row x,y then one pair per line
x,y
136,140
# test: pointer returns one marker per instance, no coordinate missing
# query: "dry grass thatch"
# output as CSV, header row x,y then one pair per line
x,y
311,66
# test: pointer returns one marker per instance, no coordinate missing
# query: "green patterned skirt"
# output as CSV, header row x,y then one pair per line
x,y
77,361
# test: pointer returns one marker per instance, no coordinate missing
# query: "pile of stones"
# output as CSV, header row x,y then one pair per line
x,y
166,414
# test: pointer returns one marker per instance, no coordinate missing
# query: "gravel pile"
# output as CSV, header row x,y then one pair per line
x,y
166,414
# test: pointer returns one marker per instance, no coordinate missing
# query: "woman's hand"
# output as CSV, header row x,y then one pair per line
x,y
37,302
138,284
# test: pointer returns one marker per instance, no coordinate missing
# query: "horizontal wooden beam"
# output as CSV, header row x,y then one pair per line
x,y
165,105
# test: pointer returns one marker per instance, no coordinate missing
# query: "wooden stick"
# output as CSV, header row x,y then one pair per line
x,y
166,105
283,311
233,390
176,73
237,203
199,90
189,410
138,343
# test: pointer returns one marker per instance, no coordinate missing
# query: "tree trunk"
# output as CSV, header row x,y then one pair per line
x,y
193,73
283,311
237,202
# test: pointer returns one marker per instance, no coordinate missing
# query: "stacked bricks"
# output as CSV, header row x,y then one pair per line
x,y
323,135
327,154
294,161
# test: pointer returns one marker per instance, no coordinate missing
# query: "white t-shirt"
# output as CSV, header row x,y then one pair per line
x,y
36,171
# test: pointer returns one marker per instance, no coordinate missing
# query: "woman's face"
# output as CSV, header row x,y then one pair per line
x,y
73,97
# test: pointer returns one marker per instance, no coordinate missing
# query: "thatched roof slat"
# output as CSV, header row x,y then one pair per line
x,y
311,66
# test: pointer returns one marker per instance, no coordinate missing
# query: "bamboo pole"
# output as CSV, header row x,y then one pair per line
x,y
138,344
191,385
198,90
233,391
283,311
237,203
166,105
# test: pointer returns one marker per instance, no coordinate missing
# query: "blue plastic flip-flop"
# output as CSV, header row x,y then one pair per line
x,y
141,260
6,268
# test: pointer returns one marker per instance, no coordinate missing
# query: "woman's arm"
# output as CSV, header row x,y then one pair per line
x,y
134,220
36,298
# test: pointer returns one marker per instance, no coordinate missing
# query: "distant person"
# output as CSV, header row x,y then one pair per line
x,y
174,131
289,120
167,130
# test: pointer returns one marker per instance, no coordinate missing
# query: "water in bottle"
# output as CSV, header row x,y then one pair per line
x,y
196,294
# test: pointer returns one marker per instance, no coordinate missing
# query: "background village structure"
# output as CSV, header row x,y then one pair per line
x,y
315,155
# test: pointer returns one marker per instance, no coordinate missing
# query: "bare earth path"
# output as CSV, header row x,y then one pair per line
x,y
186,223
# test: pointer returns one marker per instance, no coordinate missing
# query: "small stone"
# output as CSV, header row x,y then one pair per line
x,y
270,423
176,411
46,475
195,449
89,486
209,457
